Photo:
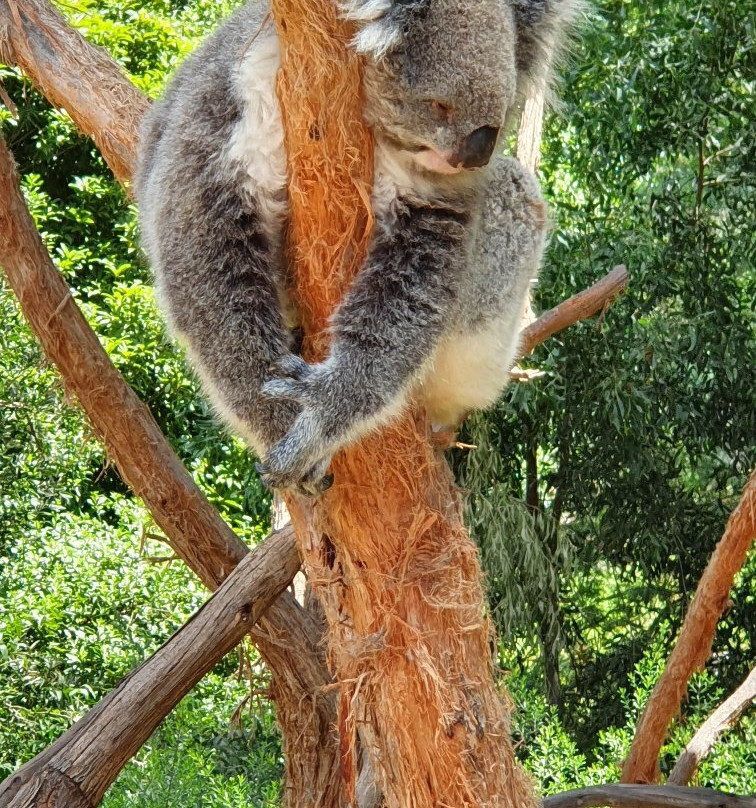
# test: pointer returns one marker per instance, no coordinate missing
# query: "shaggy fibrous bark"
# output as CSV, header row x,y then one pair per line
x,y
385,548
693,646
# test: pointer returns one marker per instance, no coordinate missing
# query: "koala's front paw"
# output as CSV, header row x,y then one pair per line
x,y
300,459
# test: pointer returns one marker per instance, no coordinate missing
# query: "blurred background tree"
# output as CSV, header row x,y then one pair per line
x,y
596,493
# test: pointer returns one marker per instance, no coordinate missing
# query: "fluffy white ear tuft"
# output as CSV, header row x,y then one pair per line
x,y
377,38
364,10
381,23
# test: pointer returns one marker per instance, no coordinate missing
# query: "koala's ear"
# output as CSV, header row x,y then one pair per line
x,y
381,23
544,28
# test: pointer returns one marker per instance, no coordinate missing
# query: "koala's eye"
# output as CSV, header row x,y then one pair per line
x,y
441,109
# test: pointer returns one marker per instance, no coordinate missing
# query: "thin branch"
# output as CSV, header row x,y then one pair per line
x,y
693,646
635,796
79,767
578,307
720,720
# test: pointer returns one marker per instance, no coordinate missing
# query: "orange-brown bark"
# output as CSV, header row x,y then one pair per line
x,y
74,75
385,548
693,646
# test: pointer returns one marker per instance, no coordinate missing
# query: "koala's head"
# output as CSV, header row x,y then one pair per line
x,y
443,77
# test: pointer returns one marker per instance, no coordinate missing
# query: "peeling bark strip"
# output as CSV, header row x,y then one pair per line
x,y
153,471
693,646
81,765
385,548
74,75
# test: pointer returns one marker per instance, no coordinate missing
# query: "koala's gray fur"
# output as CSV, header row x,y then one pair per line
x,y
436,308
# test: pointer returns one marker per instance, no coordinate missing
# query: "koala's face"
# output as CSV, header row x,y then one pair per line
x,y
440,78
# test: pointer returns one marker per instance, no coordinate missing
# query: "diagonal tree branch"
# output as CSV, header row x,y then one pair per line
x,y
720,720
579,307
75,75
693,646
80,766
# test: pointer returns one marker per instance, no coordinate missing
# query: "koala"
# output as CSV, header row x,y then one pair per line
x,y
434,312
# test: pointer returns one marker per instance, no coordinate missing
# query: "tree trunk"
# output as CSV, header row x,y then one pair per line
x,y
385,548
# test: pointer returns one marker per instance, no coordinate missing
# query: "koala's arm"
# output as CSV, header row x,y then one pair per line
x,y
383,334
217,268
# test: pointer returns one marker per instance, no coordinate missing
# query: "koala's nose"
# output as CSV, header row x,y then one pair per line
x,y
478,147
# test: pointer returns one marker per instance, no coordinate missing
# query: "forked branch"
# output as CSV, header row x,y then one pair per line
x,y
693,646
151,468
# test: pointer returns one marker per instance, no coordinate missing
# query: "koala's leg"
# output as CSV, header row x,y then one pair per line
x,y
384,333
217,278
473,361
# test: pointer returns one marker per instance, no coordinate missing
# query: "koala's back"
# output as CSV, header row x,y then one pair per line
x,y
191,125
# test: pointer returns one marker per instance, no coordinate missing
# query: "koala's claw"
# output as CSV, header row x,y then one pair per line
x,y
289,366
313,484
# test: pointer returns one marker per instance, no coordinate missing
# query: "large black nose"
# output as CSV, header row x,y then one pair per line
x,y
478,147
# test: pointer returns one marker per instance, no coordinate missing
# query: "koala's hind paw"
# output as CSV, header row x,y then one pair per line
x,y
313,484
300,459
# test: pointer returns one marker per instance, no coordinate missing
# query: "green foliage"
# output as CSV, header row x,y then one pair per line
x,y
555,761
596,493
80,606
636,441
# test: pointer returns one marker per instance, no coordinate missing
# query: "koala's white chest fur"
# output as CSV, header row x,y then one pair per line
x,y
257,142
467,372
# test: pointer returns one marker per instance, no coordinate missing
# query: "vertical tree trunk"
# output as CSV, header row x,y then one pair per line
x,y
549,616
385,548
530,130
